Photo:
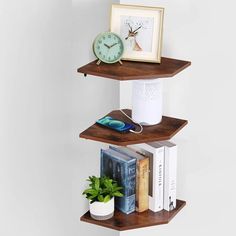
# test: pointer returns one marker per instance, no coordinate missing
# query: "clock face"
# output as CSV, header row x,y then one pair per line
x,y
108,47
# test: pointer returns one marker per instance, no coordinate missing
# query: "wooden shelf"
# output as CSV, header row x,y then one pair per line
x,y
163,131
135,70
121,221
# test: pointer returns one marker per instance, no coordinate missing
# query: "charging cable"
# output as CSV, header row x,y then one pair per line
x,y
132,131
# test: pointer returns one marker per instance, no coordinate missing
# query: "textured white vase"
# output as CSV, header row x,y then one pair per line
x,y
101,210
147,101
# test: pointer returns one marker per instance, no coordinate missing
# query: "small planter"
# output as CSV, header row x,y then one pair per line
x,y
101,210
101,193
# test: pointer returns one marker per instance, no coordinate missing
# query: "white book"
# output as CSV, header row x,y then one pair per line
x,y
155,152
170,175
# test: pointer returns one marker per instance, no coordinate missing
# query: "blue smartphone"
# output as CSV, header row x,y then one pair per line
x,y
114,124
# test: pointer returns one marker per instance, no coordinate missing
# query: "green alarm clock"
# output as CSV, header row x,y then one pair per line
x,y
108,48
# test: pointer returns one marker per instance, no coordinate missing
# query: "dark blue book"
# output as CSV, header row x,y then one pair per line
x,y
121,168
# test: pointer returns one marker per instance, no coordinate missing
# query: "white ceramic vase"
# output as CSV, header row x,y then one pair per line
x,y
147,101
101,210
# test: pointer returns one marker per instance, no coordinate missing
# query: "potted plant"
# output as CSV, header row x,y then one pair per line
x,y
101,193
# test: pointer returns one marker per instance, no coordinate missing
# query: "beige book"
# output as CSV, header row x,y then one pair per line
x,y
142,184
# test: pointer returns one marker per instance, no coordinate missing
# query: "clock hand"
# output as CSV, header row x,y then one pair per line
x,y
113,45
106,45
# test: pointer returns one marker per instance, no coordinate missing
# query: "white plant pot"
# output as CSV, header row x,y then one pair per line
x,y
101,210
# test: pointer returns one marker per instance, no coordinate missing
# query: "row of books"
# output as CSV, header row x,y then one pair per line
x,y
147,173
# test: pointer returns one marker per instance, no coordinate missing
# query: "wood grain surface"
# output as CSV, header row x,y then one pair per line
x,y
165,130
135,70
135,220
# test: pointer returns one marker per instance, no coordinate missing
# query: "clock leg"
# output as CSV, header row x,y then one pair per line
x,y
98,62
121,62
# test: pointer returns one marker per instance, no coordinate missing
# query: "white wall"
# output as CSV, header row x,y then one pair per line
x,y
200,31
44,106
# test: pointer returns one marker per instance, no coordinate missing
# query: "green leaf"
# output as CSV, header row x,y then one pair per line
x,y
97,184
107,198
117,189
118,194
93,192
90,197
100,198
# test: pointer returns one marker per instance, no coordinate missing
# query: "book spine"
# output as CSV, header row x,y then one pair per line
x,y
156,196
170,178
142,176
126,204
124,173
106,165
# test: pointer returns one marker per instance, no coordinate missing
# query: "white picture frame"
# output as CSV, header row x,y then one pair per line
x,y
141,29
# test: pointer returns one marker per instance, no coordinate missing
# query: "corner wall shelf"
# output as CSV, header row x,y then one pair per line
x,y
122,222
135,70
163,131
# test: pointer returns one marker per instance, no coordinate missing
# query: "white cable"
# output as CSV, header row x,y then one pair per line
x,y
132,131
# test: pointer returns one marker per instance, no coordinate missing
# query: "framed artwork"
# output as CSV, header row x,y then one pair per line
x,y
140,29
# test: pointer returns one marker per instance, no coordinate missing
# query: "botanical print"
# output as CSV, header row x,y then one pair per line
x,y
137,33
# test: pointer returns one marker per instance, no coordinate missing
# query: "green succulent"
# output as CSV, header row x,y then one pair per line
x,y
102,189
